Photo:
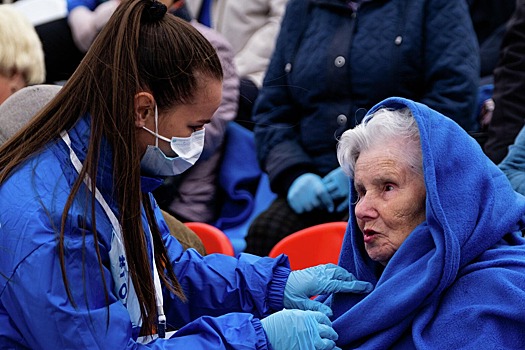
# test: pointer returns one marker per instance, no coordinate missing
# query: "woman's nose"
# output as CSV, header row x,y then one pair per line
x,y
365,209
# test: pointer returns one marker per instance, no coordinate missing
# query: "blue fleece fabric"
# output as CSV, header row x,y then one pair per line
x,y
458,280
239,176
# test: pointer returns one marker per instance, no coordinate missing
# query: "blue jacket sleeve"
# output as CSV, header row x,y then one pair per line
x,y
218,284
513,165
218,332
36,312
56,324
452,72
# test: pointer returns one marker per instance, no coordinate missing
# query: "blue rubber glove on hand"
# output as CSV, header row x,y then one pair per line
x,y
320,279
308,192
299,330
338,185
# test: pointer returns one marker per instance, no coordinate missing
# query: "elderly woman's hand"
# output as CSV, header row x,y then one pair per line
x,y
321,279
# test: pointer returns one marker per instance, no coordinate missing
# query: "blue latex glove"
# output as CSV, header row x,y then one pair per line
x,y
308,192
338,185
299,330
320,279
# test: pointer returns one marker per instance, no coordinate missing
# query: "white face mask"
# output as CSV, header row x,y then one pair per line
x,y
188,150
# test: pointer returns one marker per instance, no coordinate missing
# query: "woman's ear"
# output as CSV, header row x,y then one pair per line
x,y
17,82
144,108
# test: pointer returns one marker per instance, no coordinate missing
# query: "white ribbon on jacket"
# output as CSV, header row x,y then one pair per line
x,y
117,255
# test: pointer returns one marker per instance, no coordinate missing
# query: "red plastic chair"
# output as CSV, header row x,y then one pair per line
x,y
214,240
320,244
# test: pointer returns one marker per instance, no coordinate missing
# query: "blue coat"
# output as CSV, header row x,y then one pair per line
x,y
35,311
346,62
513,165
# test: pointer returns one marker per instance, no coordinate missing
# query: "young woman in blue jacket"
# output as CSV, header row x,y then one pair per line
x,y
86,260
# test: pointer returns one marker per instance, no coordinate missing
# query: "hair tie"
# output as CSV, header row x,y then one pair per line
x,y
155,12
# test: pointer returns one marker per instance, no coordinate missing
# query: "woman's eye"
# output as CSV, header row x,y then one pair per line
x,y
389,188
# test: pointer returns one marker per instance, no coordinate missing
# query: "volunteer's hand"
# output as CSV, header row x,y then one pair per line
x,y
308,192
299,330
81,21
338,185
103,12
320,279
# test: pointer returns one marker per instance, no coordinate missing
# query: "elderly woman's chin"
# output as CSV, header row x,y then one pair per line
x,y
378,249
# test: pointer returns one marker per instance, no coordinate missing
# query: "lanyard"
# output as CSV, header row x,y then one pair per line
x,y
119,268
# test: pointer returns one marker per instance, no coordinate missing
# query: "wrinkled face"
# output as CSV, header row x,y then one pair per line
x,y
391,200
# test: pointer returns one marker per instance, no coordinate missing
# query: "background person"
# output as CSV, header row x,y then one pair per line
x,y
513,165
21,54
507,117
82,238
66,40
434,225
489,18
251,27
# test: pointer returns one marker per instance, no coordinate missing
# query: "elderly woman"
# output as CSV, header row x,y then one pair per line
x,y
434,225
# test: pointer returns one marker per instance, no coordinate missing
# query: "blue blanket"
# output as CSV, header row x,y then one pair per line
x,y
239,177
458,280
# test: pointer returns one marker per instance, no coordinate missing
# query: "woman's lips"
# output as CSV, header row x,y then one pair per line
x,y
369,236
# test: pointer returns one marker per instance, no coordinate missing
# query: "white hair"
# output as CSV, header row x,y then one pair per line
x,y
380,128
20,47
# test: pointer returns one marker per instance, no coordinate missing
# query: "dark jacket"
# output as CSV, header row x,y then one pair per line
x,y
347,61
489,18
509,89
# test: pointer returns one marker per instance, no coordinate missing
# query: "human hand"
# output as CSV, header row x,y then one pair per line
x,y
307,193
81,21
103,12
299,330
338,185
485,115
320,279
